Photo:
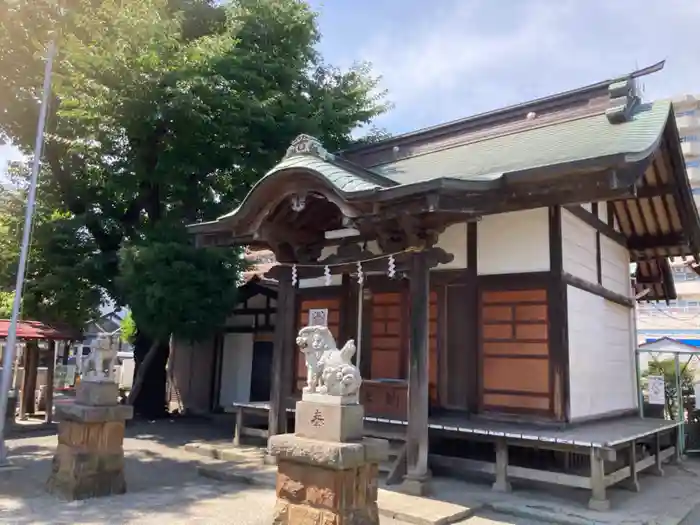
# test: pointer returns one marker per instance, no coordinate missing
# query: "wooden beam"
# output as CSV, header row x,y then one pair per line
x,y
254,311
31,363
558,320
600,291
648,242
418,378
472,319
647,192
594,222
48,414
282,354
598,254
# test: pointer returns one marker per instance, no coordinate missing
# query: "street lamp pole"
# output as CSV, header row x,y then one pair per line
x,y
10,348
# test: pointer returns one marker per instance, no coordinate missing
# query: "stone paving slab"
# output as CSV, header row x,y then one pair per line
x,y
662,501
394,505
225,451
163,481
248,473
420,511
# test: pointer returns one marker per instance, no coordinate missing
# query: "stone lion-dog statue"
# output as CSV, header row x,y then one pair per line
x,y
99,366
329,370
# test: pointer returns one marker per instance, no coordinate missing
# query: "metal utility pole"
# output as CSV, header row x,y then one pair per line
x,y
11,345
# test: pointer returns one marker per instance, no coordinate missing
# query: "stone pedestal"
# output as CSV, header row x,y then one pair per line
x,y
11,410
326,471
89,459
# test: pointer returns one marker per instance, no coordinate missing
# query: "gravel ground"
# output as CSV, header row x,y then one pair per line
x,y
162,481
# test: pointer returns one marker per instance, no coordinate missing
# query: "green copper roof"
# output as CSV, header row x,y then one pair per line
x,y
579,139
344,180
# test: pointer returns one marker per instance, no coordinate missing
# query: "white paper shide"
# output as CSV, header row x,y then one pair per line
x,y
331,376
99,367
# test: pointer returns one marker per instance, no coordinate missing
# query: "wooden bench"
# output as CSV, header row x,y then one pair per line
x,y
243,409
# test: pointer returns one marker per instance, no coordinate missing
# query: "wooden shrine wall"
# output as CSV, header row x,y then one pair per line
x,y
514,351
387,341
384,345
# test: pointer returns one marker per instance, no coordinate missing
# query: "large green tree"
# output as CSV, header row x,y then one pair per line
x,y
164,113
57,289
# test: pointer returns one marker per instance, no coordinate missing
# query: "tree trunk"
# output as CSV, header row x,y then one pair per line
x,y
143,369
148,391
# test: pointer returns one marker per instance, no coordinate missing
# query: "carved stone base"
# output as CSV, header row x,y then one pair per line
x,y
93,393
329,422
329,483
89,459
83,475
12,398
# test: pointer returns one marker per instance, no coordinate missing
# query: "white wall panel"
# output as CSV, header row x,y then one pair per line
x,y
514,242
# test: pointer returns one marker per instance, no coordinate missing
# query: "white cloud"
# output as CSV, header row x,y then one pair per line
x,y
473,56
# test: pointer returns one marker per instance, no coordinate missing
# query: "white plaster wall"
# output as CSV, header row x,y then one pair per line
x,y
236,365
603,211
615,266
601,355
578,247
514,242
245,320
454,240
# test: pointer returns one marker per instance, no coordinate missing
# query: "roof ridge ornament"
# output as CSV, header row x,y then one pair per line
x,y
308,145
623,99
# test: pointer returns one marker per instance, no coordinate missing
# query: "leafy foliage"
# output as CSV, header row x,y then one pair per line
x,y
6,299
164,113
168,111
57,287
175,288
128,328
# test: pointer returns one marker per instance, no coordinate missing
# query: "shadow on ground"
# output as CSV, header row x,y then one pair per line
x,y
161,477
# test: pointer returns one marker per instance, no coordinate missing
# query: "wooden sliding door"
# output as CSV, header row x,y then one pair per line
x,y
514,351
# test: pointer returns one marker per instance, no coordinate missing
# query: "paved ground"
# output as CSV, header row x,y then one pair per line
x,y
162,481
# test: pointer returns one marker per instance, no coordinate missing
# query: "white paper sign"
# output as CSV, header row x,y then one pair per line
x,y
656,390
318,317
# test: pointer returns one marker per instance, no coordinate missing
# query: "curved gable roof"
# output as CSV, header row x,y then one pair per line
x,y
575,141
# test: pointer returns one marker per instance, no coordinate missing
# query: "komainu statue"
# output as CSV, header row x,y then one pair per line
x,y
328,370
99,366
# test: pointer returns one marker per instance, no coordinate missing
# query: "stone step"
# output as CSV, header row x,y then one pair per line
x,y
226,451
401,507
421,511
250,473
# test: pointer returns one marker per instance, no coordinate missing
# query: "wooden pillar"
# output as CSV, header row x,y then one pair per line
x,y
66,352
657,469
599,500
48,416
418,474
239,425
502,484
282,354
633,482
31,364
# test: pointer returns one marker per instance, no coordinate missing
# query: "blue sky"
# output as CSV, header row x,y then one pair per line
x,y
453,58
